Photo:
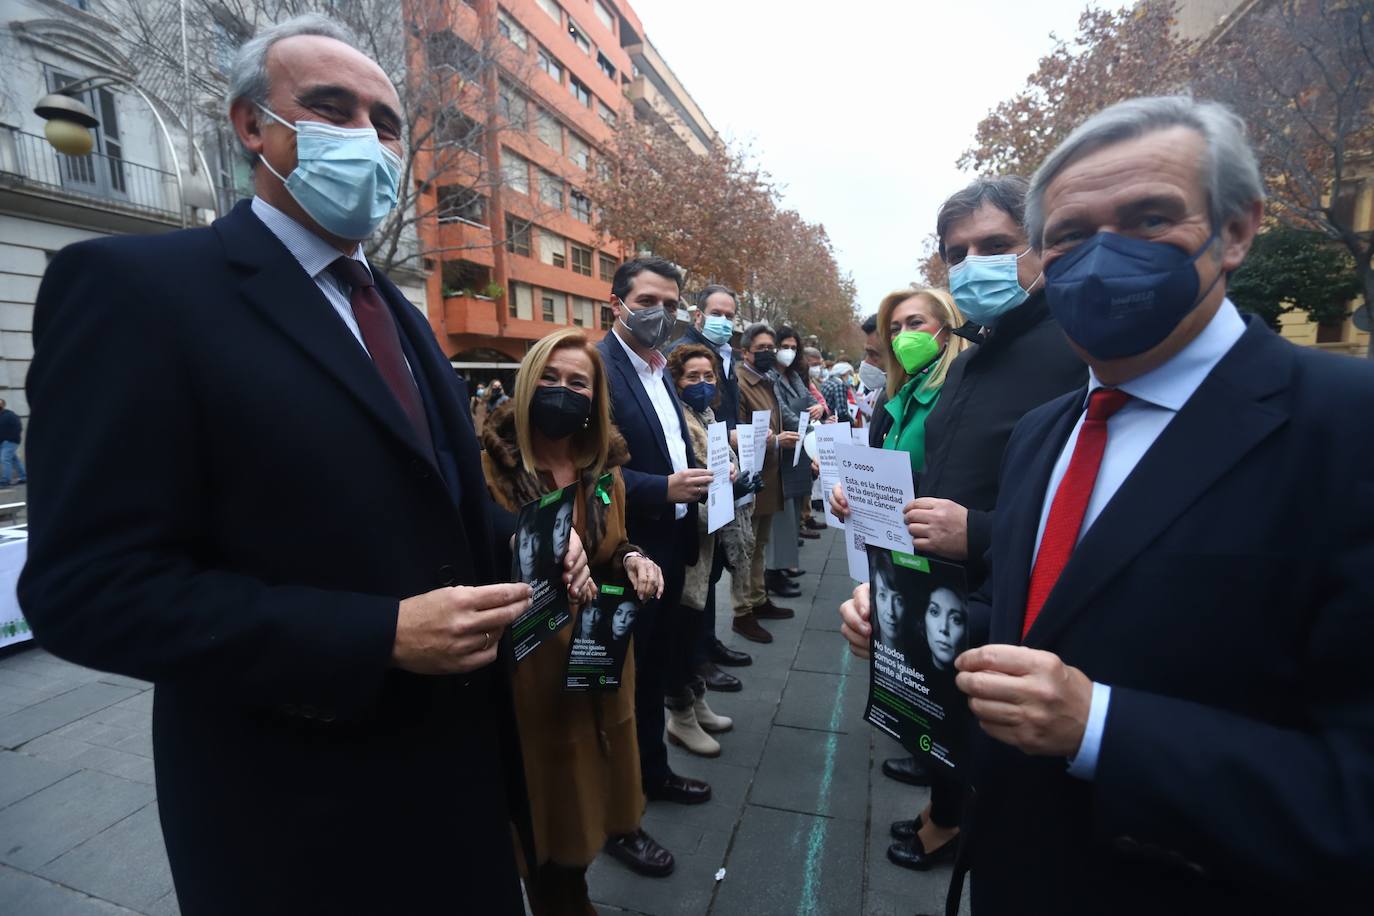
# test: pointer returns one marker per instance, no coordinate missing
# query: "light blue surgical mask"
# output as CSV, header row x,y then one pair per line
x,y
344,178
985,287
717,329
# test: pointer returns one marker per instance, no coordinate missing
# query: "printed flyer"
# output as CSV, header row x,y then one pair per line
x,y
541,544
920,625
601,639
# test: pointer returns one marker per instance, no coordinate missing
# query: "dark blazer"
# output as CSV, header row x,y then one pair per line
x,y
1225,594
250,561
1023,363
648,514
728,409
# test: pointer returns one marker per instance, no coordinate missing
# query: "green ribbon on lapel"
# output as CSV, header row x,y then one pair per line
x,y
603,488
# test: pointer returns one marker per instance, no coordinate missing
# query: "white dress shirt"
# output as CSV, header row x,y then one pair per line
x,y
651,377
1156,398
726,354
315,255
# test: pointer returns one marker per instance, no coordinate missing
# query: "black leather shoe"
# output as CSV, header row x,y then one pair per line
x,y
780,585
722,654
681,789
905,830
718,680
911,854
794,573
641,853
770,611
908,770
814,525
809,535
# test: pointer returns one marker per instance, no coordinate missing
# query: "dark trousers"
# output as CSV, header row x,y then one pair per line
x,y
665,635
946,798
559,890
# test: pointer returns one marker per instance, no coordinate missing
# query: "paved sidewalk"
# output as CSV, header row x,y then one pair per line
x,y
799,819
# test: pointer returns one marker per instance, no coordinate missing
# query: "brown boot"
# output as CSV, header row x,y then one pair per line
x,y
747,625
770,611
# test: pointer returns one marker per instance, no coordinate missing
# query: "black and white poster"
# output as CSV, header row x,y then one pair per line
x,y
601,638
918,610
541,544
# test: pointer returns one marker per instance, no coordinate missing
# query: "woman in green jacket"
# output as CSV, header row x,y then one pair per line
x,y
918,328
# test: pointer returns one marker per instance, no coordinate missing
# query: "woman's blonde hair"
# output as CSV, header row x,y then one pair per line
x,y
944,311
590,445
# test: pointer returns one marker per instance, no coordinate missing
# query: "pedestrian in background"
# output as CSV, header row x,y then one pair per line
x,y
580,753
11,433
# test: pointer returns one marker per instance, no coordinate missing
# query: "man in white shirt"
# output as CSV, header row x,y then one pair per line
x,y
664,482
304,564
1174,702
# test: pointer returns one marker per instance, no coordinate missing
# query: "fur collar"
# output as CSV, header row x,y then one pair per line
x,y
515,487
498,438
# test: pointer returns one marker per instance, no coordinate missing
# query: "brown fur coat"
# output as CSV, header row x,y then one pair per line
x,y
581,758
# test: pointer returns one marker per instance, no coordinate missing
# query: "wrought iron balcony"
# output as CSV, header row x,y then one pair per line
x,y
28,163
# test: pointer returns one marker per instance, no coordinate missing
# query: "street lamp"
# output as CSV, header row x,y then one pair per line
x,y
69,124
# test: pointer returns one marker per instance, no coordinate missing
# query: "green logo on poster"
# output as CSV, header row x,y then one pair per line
x,y
612,590
911,561
603,680
553,623
925,743
553,497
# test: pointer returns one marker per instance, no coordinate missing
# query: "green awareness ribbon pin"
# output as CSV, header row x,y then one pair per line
x,y
603,488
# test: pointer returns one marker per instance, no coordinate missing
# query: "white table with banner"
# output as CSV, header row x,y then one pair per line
x,y
14,549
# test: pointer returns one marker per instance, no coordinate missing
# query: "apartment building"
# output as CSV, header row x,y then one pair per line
x,y
512,246
1209,21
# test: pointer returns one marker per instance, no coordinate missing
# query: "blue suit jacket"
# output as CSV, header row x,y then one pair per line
x,y
648,513
1226,594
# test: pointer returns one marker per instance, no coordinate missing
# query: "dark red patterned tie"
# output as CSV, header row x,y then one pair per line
x,y
1071,501
380,336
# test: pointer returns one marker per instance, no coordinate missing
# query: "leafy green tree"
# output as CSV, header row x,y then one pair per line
x,y
1293,270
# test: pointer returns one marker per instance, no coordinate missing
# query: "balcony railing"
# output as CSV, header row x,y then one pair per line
x,y
27,161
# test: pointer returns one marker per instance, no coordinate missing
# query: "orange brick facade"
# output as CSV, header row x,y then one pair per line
x,y
569,82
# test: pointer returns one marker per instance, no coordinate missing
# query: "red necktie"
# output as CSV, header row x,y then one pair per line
x,y
1071,500
378,328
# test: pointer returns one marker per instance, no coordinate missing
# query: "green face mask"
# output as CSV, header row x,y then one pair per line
x,y
915,350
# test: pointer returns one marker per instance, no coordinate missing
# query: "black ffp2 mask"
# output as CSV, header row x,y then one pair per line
x,y
558,411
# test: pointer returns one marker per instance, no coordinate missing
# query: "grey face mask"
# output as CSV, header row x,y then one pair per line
x,y
649,326
872,376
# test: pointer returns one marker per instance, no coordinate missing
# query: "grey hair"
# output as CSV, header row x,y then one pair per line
x,y
248,73
1229,167
711,290
746,338
811,351
1005,192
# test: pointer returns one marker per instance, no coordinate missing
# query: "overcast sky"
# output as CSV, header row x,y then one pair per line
x,y
859,108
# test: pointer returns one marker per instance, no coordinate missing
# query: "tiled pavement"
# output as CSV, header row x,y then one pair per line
x,y
798,820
